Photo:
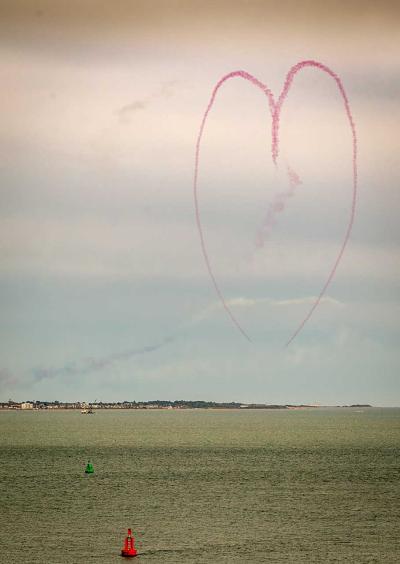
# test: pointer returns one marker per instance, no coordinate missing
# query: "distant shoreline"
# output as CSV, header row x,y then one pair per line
x,y
160,405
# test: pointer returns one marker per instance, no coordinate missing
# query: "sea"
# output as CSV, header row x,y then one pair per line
x,y
217,486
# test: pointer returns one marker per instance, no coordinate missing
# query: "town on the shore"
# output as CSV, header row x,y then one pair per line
x,y
155,404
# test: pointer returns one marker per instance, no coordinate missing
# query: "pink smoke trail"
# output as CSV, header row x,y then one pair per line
x,y
275,109
277,206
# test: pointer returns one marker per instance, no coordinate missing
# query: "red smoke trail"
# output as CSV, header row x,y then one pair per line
x,y
277,206
275,109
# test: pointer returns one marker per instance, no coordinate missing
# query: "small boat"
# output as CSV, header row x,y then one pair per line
x,y
87,409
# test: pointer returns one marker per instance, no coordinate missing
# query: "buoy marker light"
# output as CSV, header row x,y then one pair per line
x,y
89,468
129,550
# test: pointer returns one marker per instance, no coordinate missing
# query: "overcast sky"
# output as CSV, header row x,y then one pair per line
x,y
104,292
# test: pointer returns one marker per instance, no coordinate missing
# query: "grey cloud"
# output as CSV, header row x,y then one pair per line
x,y
244,302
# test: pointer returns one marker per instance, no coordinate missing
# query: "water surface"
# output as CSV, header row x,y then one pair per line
x,y
313,485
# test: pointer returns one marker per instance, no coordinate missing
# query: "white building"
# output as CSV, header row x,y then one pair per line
x,y
26,405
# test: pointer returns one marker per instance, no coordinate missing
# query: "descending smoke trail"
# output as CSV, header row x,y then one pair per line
x,y
277,206
275,110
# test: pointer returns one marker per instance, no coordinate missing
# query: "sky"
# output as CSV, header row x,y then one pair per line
x,y
104,291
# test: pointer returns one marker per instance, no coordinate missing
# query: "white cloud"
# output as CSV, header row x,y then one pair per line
x,y
248,302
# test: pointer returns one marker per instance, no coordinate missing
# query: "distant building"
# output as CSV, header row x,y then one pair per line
x,y
26,405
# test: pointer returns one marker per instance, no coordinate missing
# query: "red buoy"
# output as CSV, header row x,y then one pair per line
x,y
129,549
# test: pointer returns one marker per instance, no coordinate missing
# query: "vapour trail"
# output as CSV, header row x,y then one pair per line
x,y
275,108
92,364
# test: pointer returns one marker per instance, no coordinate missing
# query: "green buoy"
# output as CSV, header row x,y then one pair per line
x,y
89,468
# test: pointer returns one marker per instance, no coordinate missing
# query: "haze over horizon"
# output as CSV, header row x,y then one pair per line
x,y
104,291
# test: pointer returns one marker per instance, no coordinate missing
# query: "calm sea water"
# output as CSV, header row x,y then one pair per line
x,y
201,486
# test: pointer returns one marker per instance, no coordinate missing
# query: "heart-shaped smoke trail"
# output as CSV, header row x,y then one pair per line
x,y
275,108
